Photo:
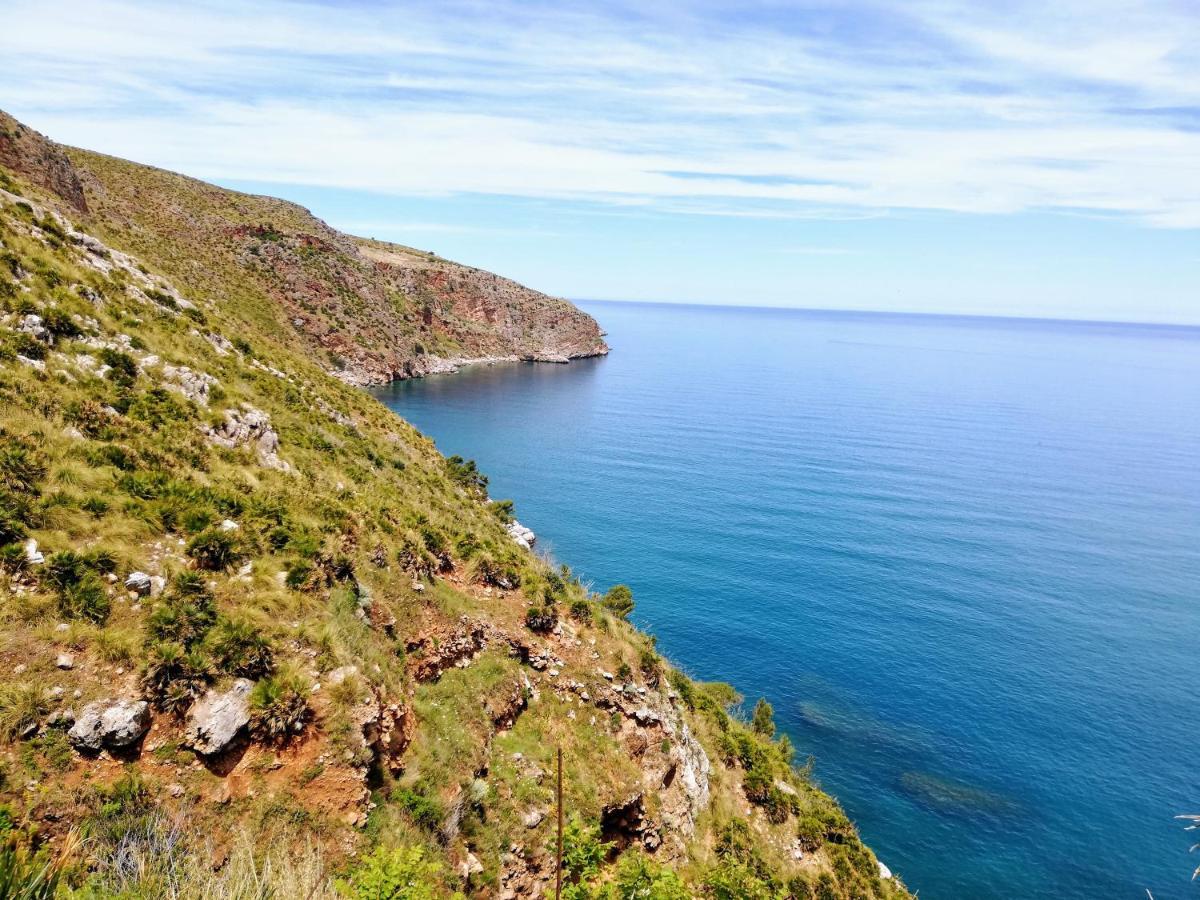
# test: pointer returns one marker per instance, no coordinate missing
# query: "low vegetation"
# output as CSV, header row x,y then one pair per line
x,y
187,501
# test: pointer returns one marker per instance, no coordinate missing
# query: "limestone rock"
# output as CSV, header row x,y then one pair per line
x,y
217,717
139,583
192,384
249,427
519,533
110,723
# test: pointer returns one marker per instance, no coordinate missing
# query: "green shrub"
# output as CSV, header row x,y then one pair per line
x,y
237,647
619,600
122,368
85,599
466,474
26,876
21,468
502,510
185,614
422,810
763,721
279,707
399,874
13,560
583,851
59,323
540,619
638,878
173,676
214,549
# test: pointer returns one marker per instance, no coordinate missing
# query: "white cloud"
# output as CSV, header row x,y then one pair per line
x,y
771,110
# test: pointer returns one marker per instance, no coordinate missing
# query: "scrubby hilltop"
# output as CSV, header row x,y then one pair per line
x,y
368,311
261,639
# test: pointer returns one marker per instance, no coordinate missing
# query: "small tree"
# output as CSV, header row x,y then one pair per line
x,y
619,600
764,718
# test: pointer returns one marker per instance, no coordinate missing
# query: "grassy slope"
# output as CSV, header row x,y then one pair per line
x,y
371,552
335,297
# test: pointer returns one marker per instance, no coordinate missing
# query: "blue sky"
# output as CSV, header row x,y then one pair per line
x,y
940,156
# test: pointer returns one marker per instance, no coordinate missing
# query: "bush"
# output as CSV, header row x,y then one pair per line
x,y
13,560
173,676
21,468
502,510
59,323
122,368
640,879
619,600
85,599
399,874
425,812
466,474
185,615
214,549
583,851
763,721
236,647
279,707
540,619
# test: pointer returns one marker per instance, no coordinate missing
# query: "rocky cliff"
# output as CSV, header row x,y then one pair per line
x,y
367,311
258,638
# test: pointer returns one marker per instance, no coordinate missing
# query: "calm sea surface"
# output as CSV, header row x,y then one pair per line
x,y
960,556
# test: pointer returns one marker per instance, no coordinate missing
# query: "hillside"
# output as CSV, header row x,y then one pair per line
x,y
368,311
261,639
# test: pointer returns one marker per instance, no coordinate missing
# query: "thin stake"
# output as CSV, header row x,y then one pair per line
x,y
558,865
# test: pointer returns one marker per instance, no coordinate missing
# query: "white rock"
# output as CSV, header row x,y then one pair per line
x,y
138,583
32,555
216,718
229,525
110,723
884,872
65,661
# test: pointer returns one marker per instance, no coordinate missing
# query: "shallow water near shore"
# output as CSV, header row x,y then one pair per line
x,y
960,556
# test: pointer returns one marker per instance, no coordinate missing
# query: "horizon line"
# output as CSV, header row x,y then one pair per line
x,y
997,317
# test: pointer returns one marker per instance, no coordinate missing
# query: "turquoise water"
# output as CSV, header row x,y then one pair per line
x,y
960,556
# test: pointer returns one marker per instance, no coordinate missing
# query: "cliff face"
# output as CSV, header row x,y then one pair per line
x,y
254,629
368,311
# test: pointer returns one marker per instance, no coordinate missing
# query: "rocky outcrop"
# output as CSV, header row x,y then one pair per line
x,y
249,427
40,160
522,535
217,718
112,724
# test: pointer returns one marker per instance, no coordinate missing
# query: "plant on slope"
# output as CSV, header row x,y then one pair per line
x,y
238,648
763,720
214,549
21,705
402,873
619,600
279,707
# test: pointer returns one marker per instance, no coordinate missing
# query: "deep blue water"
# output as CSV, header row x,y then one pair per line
x,y
960,556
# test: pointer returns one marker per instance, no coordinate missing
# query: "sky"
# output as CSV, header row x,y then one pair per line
x,y
998,158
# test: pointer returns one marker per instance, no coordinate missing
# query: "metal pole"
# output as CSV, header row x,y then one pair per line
x,y
558,866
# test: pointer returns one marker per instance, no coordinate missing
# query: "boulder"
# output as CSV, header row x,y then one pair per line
x,y
519,533
217,717
139,583
65,661
110,723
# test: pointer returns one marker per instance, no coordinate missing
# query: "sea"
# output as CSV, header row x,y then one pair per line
x,y
960,556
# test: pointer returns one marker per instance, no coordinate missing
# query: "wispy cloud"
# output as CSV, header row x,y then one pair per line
x,y
798,109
